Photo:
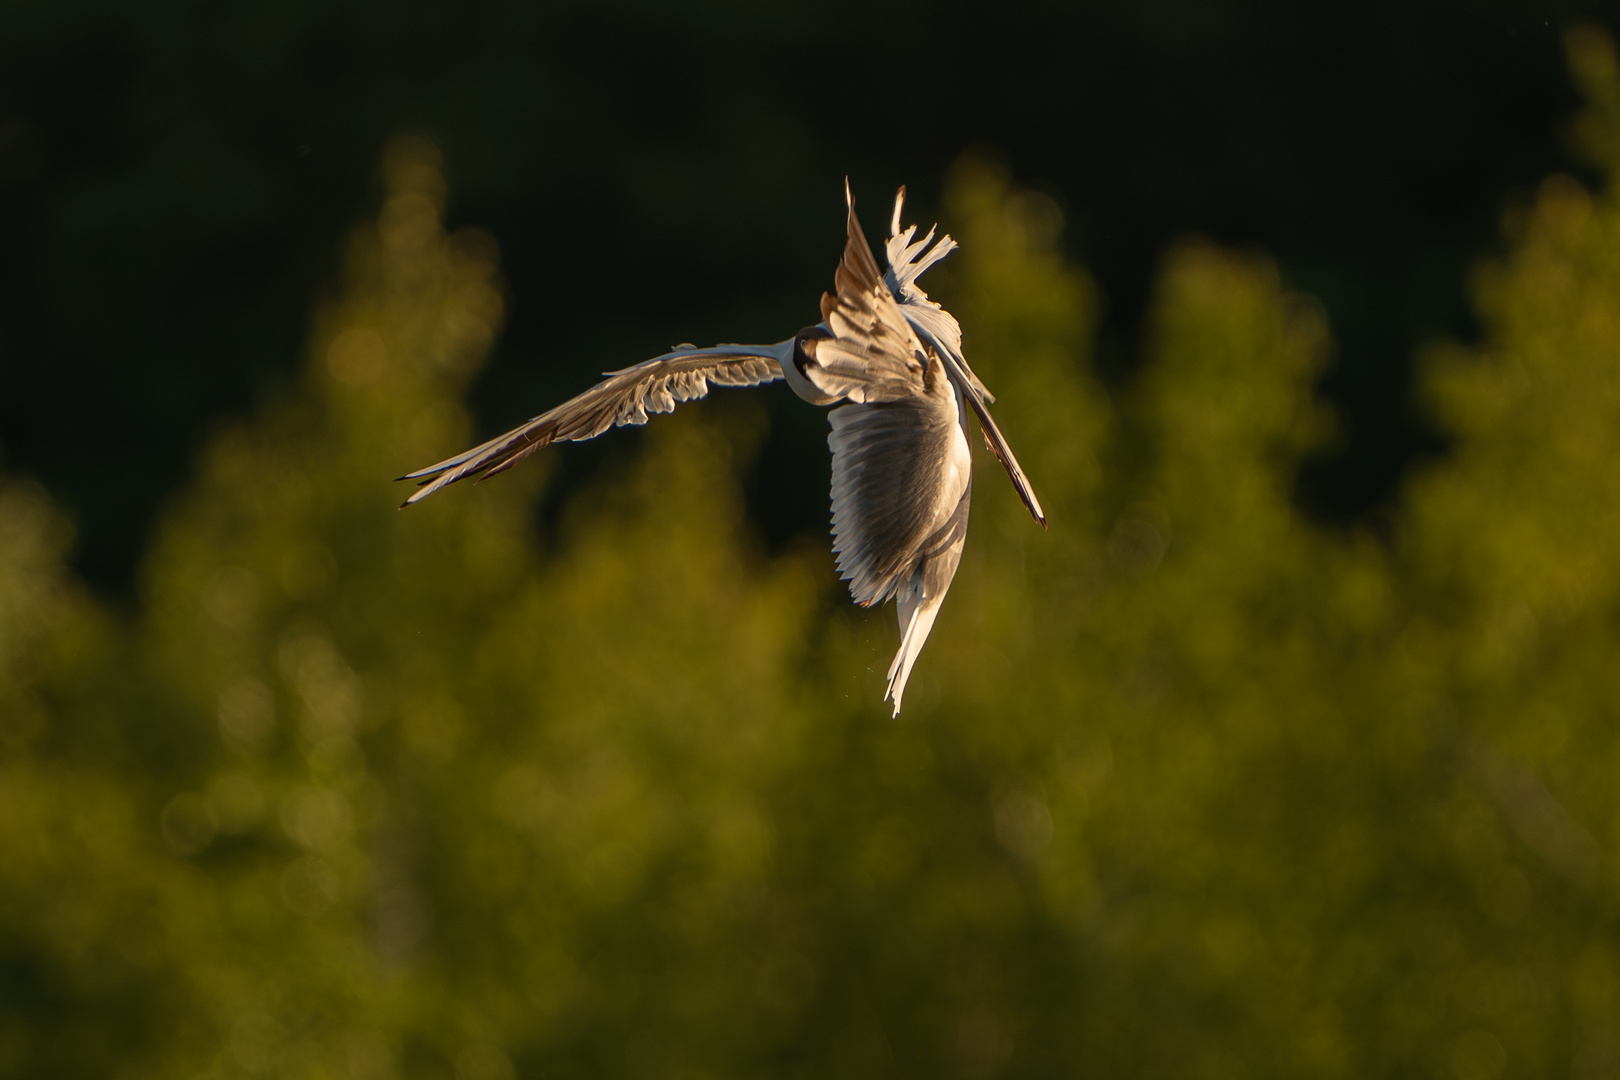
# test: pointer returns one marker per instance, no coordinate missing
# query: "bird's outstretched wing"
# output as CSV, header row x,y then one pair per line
x,y
901,471
624,397
935,326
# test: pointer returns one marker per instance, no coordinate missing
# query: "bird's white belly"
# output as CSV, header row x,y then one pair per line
x,y
958,464
959,469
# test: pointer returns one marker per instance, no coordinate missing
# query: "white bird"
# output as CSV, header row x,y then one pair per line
x,y
902,471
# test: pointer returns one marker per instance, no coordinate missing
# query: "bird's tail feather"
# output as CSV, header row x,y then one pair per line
x,y
917,614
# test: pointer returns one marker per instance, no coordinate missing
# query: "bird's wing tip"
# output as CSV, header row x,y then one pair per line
x,y
423,489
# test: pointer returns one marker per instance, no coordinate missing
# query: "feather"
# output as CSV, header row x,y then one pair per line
x,y
624,397
936,328
900,460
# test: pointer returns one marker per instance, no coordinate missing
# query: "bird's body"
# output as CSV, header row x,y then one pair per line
x,y
891,360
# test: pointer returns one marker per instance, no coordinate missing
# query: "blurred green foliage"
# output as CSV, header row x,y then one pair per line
x,y
1185,788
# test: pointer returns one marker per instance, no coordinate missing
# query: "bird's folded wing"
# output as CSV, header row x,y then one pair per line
x,y
624,397
978,398
998,446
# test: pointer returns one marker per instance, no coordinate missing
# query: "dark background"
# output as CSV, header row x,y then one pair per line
x,y
176,179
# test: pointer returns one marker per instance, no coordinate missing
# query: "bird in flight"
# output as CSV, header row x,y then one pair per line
x,y
891,360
